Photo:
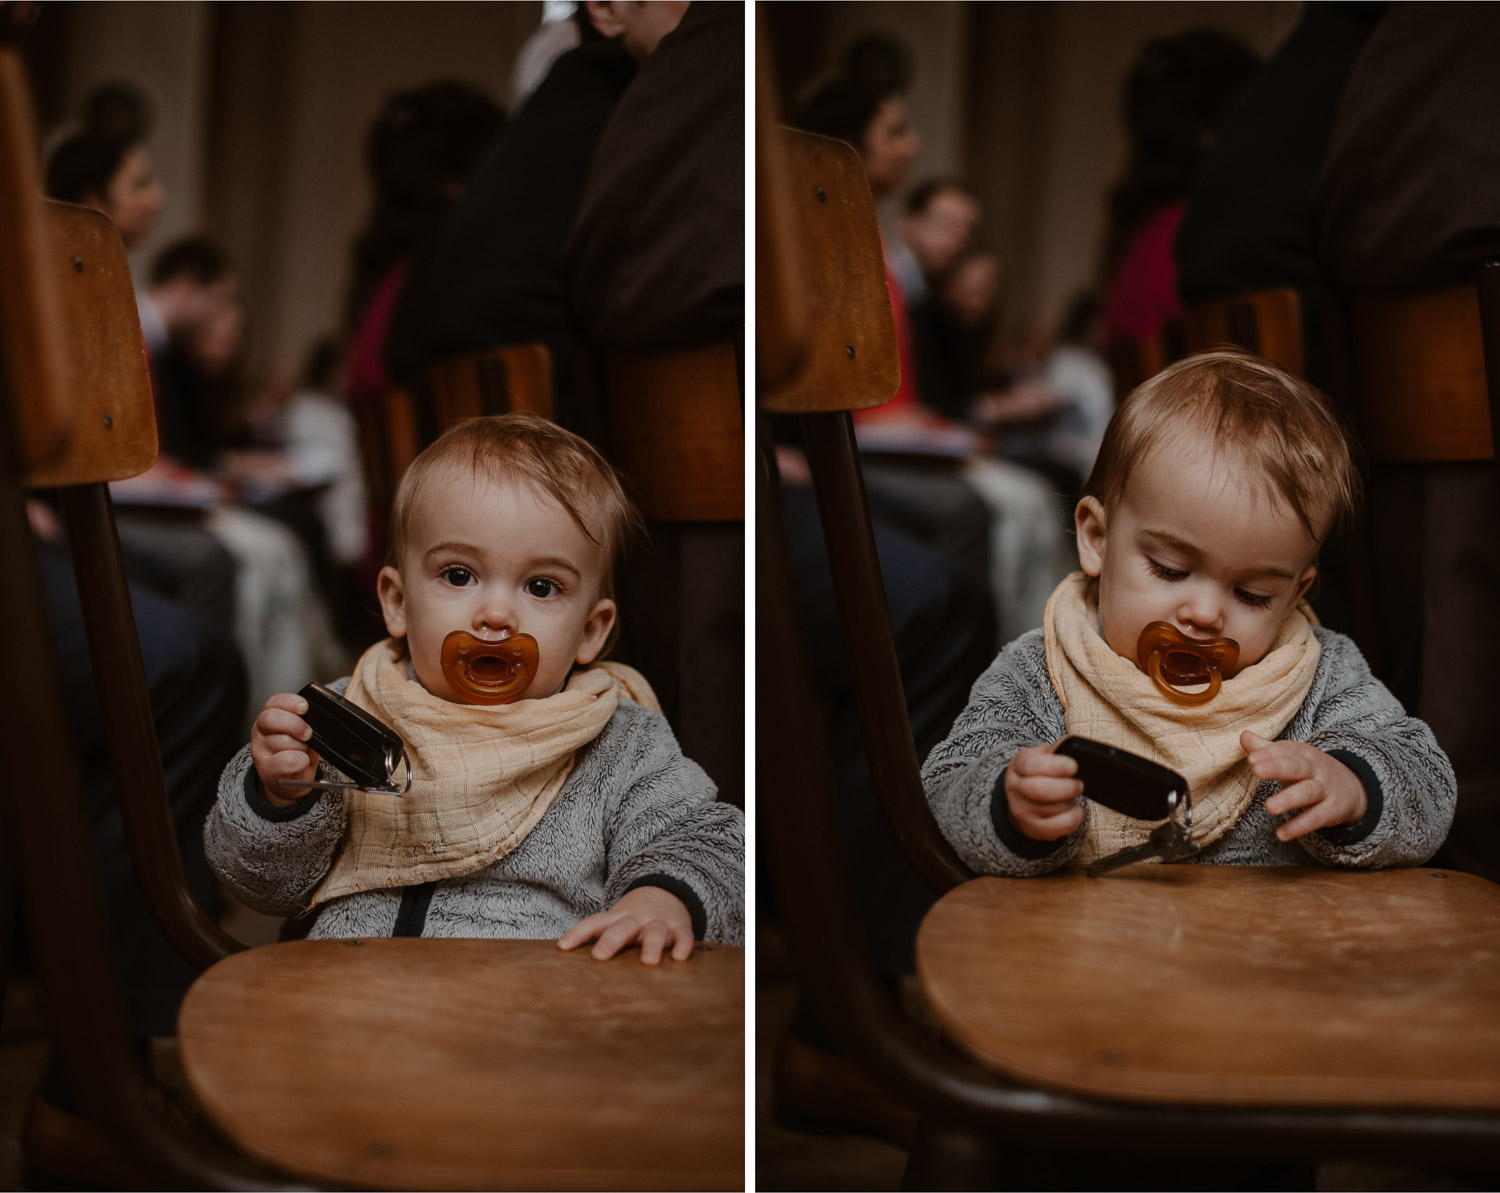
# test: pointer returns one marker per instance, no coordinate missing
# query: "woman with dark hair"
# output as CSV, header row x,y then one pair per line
x,y
112,175
1175,97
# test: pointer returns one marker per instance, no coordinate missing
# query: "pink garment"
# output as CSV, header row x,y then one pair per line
x,y
907,401
1142,296
365,378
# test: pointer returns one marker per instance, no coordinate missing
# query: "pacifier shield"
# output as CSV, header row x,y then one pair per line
x,y
1174,661
489,672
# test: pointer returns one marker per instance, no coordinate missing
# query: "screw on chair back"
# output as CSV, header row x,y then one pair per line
x,y
850,362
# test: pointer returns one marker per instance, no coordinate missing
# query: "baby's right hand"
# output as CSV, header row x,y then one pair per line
x,y
1040,791
279,749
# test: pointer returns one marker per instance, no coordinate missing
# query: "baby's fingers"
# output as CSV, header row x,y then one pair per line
x,y
1316,813
654,938
1041,790
1041,761
1283,762
274,722
583,931
614,938
682,944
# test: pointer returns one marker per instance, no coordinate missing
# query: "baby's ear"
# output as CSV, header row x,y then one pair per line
x,y
392,601
1304,584
596,631
1088,520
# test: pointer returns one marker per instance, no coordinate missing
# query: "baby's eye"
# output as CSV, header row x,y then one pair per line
x,y
1165,572
1252,598
459,577
542,587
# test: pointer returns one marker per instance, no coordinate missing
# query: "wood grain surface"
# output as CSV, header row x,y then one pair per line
x,y
474,1064
677,432
850,361
1227,985
1419,363
111,410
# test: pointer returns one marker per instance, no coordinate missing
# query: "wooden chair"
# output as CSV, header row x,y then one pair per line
x,y
1266,322
977,1095
676,431
497,1064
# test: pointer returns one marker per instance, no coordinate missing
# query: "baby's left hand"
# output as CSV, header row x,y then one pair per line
x,y
653,917
1326,790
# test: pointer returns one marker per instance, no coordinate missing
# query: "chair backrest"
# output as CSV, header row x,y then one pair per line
x,y
677,431
1266,322
1420,373
852,363
516,378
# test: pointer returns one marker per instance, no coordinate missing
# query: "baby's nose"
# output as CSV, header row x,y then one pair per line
x,y
1201,614
495,617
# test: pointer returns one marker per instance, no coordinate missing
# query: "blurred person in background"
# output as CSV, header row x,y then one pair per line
x,y
419,154
495,274
1176,95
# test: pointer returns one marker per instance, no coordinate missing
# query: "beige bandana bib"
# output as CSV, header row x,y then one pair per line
x,y
1109,699
482,776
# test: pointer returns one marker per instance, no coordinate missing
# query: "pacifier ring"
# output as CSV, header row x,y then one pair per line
x,y
489,672
1173,660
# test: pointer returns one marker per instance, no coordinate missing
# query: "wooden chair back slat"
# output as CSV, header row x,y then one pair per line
x,y
851,360
677,432
1266,322
113,416
29,302
496,381
1420,379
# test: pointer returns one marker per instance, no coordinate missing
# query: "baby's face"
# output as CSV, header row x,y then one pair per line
x,y
1196,543
496,558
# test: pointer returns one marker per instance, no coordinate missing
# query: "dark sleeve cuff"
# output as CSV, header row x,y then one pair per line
x,y
1352,834
266,810
1010,836
676,886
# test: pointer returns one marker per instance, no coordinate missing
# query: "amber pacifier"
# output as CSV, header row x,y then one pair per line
x,y
489,672
1173,661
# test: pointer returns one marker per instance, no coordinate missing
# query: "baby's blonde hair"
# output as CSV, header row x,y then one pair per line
x,y
524,448
1288,431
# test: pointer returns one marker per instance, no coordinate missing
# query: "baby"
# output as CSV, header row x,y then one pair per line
x,y
562,810
1216,482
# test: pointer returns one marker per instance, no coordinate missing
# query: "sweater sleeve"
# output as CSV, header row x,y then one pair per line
x,y
1408,779
271,858
1011,706
666,829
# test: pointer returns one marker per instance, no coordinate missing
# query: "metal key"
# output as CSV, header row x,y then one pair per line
x,y
1171,842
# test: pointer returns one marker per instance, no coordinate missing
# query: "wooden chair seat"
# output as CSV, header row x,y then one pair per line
x,y
475,1064
1227,985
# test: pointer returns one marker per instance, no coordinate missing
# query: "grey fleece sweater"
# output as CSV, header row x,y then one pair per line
x,y
633,812
1348,714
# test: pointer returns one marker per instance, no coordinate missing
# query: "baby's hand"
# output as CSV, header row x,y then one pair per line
x,y
1327,791
648,915
1040,791
278,746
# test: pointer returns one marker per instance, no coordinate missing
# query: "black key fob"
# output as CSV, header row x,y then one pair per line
x,y
355,742
1126,782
